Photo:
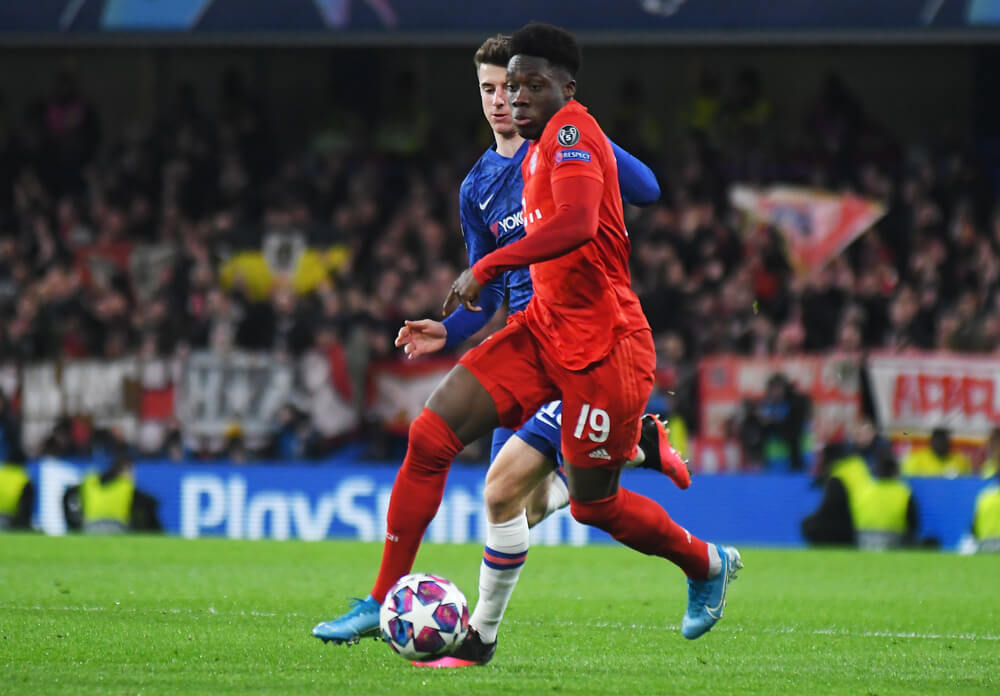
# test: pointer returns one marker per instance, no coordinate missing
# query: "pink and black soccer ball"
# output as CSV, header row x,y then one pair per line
x,y
424,617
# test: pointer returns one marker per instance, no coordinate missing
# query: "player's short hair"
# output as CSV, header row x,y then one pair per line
x,y
552,43
494,51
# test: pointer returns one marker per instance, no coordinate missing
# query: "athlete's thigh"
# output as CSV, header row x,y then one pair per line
x,y
464,404
543,431
508,365
500,437
515,472
603,404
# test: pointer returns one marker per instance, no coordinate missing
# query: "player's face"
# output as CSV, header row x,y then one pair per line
x,y
496,107
536,91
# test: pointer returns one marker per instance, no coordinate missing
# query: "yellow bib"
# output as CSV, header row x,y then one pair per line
x,y
110,501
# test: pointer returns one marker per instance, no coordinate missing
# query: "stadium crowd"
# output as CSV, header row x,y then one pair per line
x,y
201,231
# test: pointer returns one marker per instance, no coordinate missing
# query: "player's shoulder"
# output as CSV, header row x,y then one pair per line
x,y
467,190
570,125
472,182
488,168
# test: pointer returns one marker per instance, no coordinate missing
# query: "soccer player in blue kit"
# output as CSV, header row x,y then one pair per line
x,y
522,486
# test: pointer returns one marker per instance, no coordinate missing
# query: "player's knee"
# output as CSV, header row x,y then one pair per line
x,y
535,509
597,513
500,504
427,437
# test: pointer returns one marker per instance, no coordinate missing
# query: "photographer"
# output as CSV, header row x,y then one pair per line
x,y
772,430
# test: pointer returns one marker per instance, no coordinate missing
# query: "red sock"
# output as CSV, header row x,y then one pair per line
x,y
416,496
641,524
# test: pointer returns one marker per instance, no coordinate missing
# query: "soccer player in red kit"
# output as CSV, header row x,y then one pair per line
x,y
582,338
584,333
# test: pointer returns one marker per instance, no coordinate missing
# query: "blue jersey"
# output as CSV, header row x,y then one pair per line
x,y
490,207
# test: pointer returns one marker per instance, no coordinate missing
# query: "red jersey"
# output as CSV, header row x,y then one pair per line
x,y
583,303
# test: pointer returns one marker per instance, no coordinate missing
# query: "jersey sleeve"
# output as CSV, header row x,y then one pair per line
x,y
576,148
574,223
479,241
636,181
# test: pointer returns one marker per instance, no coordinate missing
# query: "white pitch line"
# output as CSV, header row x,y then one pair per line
x,y
914,635
892,634
788,629
155,610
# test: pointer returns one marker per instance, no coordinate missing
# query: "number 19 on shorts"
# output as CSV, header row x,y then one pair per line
x,y
595,422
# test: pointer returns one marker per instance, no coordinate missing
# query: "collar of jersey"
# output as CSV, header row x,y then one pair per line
x,y
500,159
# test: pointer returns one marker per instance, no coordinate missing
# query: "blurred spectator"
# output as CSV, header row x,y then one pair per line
x,y
110,503
675,393
60,442
774,432
844,478
834,124
106,444
703,115
72,132
635,125
235,449
173,447
10,431
991,462
868,443
747,123
17,493
886,511
292,436
938,459
986,518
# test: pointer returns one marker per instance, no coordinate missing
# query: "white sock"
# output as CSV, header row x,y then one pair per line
x,y
503,558
714,561
558,496
638,460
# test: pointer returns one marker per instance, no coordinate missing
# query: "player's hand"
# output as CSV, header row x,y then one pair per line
x,y
421,337
464,291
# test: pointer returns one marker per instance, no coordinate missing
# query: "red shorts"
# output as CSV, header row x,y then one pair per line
x,y
602,404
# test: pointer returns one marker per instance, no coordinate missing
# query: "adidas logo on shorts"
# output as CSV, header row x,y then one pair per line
x,y
599,453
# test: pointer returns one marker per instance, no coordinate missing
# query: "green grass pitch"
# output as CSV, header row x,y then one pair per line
x,y
172,616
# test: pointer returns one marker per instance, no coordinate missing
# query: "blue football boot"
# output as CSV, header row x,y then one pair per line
x,y
707,598
361,621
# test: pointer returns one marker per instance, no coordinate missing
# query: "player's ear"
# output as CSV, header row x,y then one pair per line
x,y
569,89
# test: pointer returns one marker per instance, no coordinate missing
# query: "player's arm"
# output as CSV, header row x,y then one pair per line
x,y
425,336
637,181
479,242
577,200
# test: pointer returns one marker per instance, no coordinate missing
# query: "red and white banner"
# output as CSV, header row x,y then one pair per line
x,y
398,389
816,225
918,392
218,392
122,394
832,383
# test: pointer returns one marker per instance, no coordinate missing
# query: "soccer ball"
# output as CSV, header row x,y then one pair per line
x,y
424,617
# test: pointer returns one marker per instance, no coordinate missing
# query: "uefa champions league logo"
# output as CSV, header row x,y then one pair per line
x,y
568,135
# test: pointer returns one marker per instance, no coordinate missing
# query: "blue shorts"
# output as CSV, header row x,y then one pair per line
x,y
542,432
